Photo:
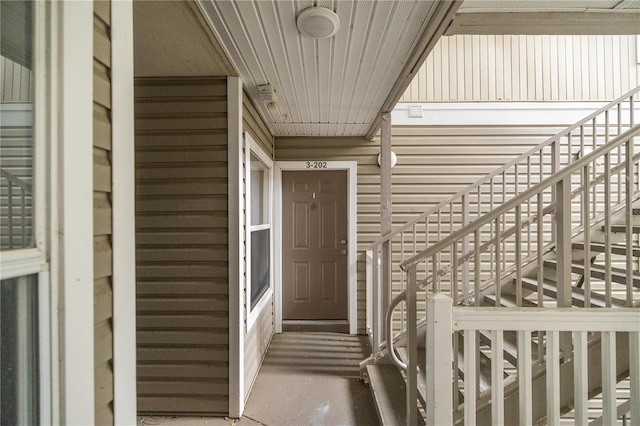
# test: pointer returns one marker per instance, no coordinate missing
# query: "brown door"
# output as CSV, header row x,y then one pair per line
x,y
314,240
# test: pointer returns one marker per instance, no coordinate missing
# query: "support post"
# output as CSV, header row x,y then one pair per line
x,y
438,360
412,349
563,252
385,207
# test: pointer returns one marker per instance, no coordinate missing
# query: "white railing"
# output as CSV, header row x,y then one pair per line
x,y
18,234
551,218
605,342
484,196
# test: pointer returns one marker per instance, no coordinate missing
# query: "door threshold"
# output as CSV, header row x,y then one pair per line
x,y
331,326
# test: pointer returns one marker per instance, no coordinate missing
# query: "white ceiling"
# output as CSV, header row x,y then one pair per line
x,y
339,86
329,87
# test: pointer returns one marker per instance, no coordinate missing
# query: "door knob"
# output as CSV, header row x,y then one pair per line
x,y
343,251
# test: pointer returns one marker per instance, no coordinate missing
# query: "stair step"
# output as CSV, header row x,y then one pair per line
x,y
618,275
506,301
623,228
577,294
485,366
510,346
615,248
389,395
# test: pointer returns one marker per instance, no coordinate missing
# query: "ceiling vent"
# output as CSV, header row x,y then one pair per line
x,y
318,22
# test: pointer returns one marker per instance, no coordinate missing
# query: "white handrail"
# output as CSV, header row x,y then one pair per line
x,y
468,190
505,207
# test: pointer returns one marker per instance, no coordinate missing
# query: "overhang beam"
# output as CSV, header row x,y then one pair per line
x,y
620,22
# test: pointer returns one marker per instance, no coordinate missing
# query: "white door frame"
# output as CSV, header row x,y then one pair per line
x,y
352,225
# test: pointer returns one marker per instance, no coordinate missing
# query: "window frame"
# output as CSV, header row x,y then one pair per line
x,y
35,260
252,147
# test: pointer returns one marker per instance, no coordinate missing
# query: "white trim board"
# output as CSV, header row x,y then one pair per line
x,y
75,226
493,113
352,225
123,187
236,249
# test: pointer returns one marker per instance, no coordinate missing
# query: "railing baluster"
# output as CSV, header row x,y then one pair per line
x,y
497,378
476,267
376,302
10,214
553,378
586,221
607,229
529,206
496,246
609,378
491,204
504,218
518,256
525,395
630,184
581,377
594,171
539,248
435,264
634,375
454,272
465,248
470,383
23,217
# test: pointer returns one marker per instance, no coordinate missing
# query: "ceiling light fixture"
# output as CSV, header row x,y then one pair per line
x,y
318,22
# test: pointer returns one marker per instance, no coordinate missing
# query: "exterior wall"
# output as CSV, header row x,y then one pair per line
x,y
257,339
16,82
434,162
182,246
527,68
102,214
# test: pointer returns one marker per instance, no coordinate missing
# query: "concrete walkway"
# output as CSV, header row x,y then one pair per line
x,y
306,379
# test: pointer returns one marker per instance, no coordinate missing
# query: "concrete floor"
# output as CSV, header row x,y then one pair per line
x,y
305,379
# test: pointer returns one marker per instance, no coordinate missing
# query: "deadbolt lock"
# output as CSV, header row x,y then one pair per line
x,y
343,242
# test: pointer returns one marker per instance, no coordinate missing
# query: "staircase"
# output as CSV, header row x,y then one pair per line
x,y
523,306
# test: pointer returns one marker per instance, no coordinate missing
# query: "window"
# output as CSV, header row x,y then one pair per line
x,y
259,253
23,168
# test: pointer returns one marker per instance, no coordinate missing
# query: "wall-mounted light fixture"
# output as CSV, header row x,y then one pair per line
x,y
318,22
394,159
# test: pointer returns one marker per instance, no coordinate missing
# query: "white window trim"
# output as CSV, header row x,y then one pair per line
x,y
35,261
251,146
352,225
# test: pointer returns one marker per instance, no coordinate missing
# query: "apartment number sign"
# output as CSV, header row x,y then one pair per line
x,y
316,164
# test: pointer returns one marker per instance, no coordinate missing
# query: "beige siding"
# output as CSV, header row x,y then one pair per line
x,y
102,234
527,68
181,246
256,344
253,123
16,82
256,341
433,163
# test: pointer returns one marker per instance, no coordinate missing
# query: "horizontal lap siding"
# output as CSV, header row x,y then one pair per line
x,y
257,339
433,164
102,213
181,246
527,68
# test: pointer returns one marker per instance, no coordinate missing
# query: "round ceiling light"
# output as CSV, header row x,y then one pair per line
x,y
318,22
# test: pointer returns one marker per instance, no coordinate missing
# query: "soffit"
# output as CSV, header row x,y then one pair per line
x,y
330,87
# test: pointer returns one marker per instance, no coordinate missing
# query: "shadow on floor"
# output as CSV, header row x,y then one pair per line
x,y
306,379
312,379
